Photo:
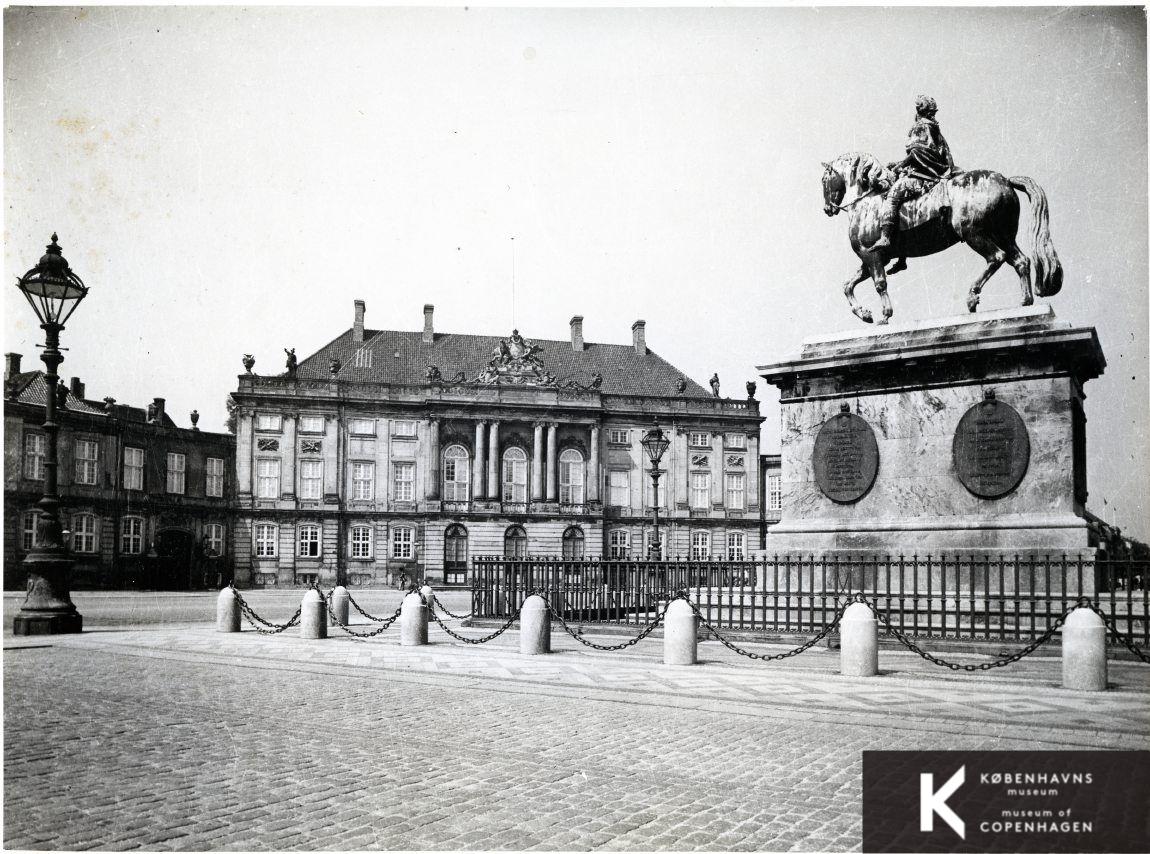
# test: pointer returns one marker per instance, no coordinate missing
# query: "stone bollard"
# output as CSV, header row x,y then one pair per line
x,y
412,621
313,616
428,594
858,633
1084,651
340,605
534,627
227,611
680,634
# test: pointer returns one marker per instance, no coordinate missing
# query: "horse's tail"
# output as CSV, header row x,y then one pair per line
x,y
1047,267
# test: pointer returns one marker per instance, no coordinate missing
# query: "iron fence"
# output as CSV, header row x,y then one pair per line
x,y
946,596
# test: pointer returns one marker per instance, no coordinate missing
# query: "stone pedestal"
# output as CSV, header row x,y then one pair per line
x,y
959,436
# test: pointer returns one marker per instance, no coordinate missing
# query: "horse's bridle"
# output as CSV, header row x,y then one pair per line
x,y
854,201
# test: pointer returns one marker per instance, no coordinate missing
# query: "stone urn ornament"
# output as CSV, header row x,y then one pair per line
x,y
249,362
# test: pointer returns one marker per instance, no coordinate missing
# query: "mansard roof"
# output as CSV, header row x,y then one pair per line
x,y
403,357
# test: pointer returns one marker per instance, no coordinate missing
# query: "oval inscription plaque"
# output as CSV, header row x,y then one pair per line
x,y
991,449
846,458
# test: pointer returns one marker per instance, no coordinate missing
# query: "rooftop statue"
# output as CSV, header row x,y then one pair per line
x,y
923,204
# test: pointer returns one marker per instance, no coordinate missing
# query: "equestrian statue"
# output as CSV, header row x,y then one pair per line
x,y
924,204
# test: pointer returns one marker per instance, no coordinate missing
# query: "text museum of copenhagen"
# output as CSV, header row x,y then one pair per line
x,y
392,455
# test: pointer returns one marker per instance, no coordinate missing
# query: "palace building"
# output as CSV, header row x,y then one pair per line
x,y
392,454
144,503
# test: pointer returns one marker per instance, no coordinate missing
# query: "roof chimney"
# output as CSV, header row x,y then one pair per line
x,y
77,388
11,365
577,332
428,326
156,411
639,336
357,330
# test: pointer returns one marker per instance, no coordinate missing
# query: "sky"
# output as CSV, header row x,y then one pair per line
x,y
229,181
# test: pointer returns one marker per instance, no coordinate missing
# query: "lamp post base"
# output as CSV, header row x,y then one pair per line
x,y
48,608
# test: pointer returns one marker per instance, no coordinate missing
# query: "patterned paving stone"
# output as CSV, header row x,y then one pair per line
x,y
184,739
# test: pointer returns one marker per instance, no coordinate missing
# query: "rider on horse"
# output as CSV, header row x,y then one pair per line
x,y
927,162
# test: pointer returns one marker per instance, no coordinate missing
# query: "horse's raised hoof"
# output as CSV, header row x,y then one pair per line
x,y
971,305
864,315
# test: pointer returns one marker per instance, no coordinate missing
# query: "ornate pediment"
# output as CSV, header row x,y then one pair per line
x,y
516,361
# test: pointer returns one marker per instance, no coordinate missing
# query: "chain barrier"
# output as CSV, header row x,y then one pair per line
x,y
757,656
970,668
641,636
1121,638
363,613
439,605
510,622
387,624
256,620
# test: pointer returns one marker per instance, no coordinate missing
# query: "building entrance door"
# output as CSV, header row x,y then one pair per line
x,y
174,550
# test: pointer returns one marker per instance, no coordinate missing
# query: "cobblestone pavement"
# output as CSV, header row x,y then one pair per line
x,y
182,738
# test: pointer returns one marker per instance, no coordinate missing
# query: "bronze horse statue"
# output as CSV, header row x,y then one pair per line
x,y
979,208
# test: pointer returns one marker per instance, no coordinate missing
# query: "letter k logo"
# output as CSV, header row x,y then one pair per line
x,y
931,802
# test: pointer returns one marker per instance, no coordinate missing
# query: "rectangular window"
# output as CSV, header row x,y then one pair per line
x,y
736,441
403,428
619,481
616,436
311,423
357,447
404,481
311,479
87,468
308,541
35,445
619,545
700,440
133,468
176,474
268,422
402,542
736,491
700,545
214,485
30,533
362,481
361,426
84,532
267,540
361,542
362,358
131,535
268,478
775,493
736,546
214,539
700,490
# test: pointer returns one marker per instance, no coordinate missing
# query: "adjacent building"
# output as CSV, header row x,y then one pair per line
x,y
770,495
392,454
144,503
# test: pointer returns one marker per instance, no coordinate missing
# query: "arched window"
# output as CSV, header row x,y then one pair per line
x,y
570,477
455,555
736,545
84,532
308,541
700,545
573,541
619,545
515,475
515,540
456,474
361,542
267,537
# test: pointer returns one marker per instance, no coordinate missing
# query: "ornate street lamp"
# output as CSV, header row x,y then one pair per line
x,y
655,443
54,292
